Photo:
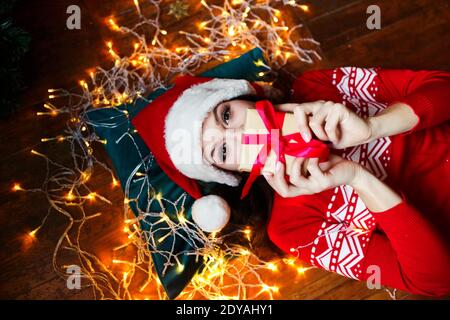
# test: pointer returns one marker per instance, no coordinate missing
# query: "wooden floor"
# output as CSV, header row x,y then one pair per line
x,y
414,35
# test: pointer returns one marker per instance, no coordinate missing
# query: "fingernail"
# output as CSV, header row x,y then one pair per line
x,y
305,135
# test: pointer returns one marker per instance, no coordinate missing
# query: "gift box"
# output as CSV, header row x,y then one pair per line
x,y
270,136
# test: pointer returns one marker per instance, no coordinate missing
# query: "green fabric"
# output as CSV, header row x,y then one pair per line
x,y
129,153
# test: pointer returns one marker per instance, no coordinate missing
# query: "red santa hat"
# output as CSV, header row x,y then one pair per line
x,y
171,126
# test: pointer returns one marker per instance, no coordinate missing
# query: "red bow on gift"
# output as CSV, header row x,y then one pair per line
x,y
291,144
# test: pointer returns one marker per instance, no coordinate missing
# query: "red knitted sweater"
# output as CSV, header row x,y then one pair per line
x,y
334,230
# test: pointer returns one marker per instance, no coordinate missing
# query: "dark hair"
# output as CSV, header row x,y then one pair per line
x,y
253,211
248,97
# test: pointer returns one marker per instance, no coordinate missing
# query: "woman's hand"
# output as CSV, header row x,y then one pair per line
x,y
330,121
335,172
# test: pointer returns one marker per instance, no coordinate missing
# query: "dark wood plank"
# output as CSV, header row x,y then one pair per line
x,y
411,33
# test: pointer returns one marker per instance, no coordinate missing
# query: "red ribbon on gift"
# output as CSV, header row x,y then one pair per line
x,y
291,144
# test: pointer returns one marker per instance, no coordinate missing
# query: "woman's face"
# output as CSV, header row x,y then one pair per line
x,y
221,133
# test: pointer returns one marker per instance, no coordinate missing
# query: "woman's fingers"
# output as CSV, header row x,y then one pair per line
x,y
296,177
270,180
278,182
302,122
317,174
298,184
285,107
334,159
332,127
317,124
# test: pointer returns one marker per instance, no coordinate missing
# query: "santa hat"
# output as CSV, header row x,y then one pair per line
x,y
171,126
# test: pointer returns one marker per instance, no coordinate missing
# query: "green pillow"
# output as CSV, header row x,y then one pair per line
x,y
129,154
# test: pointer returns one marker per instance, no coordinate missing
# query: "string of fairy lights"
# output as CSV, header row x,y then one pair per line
x,y
230,30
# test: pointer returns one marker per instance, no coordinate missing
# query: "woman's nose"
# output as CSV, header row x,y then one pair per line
x,y
234,133
233,138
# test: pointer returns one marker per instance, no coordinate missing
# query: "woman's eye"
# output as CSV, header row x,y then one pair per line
x,y
226,115
224,152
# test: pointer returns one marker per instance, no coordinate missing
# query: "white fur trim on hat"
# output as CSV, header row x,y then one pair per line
x,y
211,213
183,127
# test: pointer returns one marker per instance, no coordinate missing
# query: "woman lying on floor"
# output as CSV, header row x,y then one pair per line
x,y
381,202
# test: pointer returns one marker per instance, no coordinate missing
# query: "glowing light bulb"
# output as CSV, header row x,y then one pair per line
x,y
91,196
265,287
290,261
83,83
245,252
33,233
37,153
272,266
301,270
113,24
304,7
136,4
17,187
181,218
85,176
70,196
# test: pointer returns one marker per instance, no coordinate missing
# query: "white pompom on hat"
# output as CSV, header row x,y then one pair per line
x,y
211,213
182,109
